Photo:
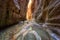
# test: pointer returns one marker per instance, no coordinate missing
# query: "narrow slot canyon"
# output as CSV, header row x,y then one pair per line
x,y
30,20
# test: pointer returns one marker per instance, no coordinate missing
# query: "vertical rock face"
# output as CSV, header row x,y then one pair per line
x,y
23,7
49,14
9,13
3,9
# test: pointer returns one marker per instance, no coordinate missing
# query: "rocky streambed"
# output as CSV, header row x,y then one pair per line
x,y
31,30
